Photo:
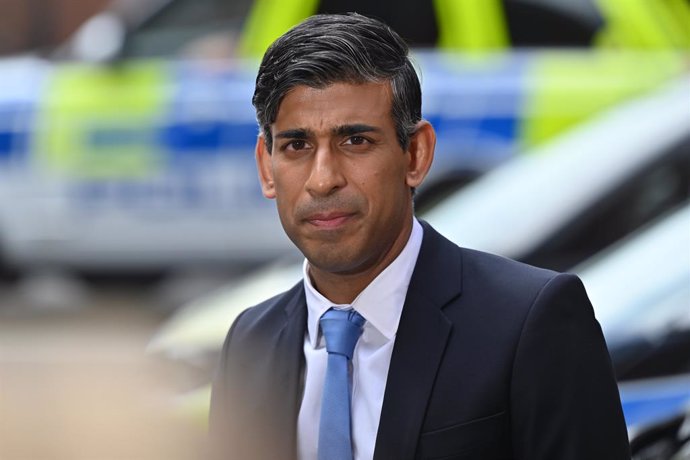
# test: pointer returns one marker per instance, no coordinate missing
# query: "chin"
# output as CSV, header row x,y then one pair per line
x,y
331,260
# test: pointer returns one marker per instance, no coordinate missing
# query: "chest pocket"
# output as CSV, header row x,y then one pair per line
x,y
484,438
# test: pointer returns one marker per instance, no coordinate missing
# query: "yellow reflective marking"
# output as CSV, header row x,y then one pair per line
x,y
651,24
471,25
678,17
269,19
565,89
100,122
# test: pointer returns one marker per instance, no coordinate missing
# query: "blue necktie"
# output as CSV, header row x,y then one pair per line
x,y
341,329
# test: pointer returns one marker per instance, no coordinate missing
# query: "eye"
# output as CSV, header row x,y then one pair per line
x,y
357,140
295,145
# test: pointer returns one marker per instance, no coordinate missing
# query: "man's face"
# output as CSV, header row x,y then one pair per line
x,y
341,179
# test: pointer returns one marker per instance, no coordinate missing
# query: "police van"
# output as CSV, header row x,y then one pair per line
x,y
130,149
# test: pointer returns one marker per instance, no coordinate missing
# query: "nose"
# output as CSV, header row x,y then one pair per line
x,y
326,174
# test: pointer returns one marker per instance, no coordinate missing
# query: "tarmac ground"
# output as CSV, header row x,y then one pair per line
x,y
75,381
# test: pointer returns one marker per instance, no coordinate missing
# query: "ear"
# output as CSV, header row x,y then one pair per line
x,y
421,151
264,165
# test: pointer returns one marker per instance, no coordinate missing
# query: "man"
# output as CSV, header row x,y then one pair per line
x,y
461,354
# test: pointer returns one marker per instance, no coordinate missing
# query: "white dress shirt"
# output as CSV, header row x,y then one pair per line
x,y
381,304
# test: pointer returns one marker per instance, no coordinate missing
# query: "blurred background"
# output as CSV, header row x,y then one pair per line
x,y
133,230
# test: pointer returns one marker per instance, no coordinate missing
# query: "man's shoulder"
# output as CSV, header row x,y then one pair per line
x,y
478,271
492,266
473,262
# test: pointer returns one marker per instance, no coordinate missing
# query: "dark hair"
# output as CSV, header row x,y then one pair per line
x,y
335,48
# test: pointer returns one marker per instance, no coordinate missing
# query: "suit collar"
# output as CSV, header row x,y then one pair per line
x,y
420,344
381,302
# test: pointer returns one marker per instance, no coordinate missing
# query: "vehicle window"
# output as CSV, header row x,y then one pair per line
x,y
180,22
412,19
529,23
545,24
657,188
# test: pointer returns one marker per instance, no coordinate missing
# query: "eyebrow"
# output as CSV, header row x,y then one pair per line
x,y
351,130
343,130
294,134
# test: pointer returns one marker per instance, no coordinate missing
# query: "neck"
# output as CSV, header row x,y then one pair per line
x,y
339,289
343,288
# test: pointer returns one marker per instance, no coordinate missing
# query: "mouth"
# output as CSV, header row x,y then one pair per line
x,y
329,220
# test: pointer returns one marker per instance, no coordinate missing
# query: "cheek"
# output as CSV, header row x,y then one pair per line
x,y
286,214
285,201
288,189
385,190
287,181
374,172
389,177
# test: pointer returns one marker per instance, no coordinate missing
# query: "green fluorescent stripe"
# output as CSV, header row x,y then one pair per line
x,y
647,24
471,25
269,19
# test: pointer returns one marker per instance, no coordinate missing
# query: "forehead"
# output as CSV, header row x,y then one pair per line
x,y
335,105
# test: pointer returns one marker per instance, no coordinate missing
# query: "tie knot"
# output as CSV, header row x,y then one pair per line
x,y
341,329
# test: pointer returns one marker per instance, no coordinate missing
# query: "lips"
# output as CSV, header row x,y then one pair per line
x,y
329,220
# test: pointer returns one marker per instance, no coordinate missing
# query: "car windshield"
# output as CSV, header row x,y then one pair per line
x,y
179,24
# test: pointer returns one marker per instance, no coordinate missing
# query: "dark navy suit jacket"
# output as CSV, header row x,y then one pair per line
x,y
493,359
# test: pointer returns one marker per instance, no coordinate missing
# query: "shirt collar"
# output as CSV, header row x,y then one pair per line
x,y
381,302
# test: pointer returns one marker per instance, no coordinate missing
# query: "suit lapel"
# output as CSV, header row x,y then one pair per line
x,y
286,375
420,343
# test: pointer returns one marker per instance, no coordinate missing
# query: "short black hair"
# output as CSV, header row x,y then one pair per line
x,y
339,48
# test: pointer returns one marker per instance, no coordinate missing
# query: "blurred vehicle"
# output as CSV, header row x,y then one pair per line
x,y
668,439
114,157
641,291
557,205
566,200
654,407
163,28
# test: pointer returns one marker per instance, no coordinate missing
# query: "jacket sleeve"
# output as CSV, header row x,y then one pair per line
x,y
222,414
564,399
